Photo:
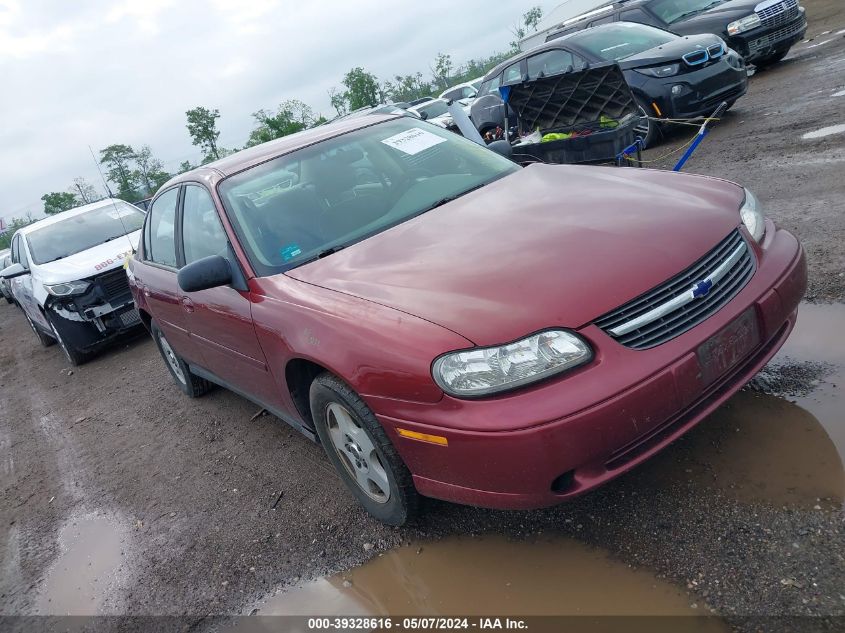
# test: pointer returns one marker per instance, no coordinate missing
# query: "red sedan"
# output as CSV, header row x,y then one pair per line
x,y
449,324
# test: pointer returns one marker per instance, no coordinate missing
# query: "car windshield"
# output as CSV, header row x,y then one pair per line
x,y
349,188
78,233
673,10
618,41
433,109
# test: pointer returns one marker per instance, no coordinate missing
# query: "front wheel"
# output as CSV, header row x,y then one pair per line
x,y
75,356
646,128
361,452
44,339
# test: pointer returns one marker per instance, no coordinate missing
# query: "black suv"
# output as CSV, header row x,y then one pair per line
x,y
762,32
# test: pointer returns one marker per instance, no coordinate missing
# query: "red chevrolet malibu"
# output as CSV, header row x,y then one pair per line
x,y
448,324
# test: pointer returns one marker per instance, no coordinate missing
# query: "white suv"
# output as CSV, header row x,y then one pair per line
x,y
67,275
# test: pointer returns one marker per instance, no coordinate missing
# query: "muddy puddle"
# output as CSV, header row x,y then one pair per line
x,y
79,579
490,575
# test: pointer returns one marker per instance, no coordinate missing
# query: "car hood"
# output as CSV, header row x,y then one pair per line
x,y
671,51
727,11
94,261
550,245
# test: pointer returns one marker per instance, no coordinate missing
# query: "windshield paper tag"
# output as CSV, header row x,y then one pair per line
x,y
413,141
291,251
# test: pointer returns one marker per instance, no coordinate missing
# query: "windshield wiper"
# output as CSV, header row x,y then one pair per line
x,y
329,251
448,199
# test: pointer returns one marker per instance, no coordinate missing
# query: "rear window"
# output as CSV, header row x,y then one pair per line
x,y
621,40
80,232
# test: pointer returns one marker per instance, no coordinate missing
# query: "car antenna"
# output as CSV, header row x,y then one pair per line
x,y
111,197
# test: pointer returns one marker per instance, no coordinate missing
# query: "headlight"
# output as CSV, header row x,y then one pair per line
x,y
752,216
744,24
67,289
487,370
660,71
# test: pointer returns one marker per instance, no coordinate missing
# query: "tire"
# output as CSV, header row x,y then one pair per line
x,y
74,356
360,451
191,385
771,60
45,339
647,128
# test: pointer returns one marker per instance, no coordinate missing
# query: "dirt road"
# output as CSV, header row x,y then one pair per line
x,y
121,496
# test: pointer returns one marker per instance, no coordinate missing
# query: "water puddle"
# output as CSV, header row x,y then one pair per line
x,y
78,581
841,93
825,131
774,449
466,576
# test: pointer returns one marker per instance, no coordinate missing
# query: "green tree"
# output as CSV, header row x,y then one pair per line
x,y
117,159
150,171
291,116
202,126
84,190
338,101
442,69
59,201
186,166
13,225
362,89
530,20
408,87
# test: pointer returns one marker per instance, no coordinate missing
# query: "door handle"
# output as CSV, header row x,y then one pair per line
x,y
187,304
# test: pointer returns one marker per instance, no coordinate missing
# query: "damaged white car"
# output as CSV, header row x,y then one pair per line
x,y
67,275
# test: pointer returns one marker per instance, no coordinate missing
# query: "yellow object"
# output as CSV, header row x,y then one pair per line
x,y
423,437
556,136
606,121
656,109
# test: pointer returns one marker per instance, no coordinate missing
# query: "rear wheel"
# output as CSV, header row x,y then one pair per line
x,y
361,452
44,339
75,356
193,386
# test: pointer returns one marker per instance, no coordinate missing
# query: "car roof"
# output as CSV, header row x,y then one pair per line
x,y
64,215
555,43
252,156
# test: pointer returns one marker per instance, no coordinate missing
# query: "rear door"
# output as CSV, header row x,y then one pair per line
x,y
219,320
155,275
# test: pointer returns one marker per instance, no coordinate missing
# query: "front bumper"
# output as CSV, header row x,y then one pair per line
x,y
701,90
512,452
762,42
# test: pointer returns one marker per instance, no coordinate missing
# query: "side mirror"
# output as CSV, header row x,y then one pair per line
x,y
15,270
424,115
502,147
209,272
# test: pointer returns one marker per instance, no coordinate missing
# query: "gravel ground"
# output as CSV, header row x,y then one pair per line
x,y
217,509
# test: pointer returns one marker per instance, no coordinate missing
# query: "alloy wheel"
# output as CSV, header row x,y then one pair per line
x,y
357,453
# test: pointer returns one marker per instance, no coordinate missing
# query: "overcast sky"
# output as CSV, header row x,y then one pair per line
x,y
94,73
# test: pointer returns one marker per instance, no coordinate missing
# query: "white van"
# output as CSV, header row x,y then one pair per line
x,y
556,19
67,275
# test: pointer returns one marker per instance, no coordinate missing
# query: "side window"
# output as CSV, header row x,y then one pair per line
x,y
202,232
512,74
161,244
605,20
491,86
638,15
549,63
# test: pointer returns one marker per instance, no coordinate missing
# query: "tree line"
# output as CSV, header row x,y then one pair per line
x,y
137,174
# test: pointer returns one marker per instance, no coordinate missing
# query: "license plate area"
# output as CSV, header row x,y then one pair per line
x,y
727,348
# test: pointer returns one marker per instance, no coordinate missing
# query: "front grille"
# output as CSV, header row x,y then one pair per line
x,y
771,39
114,284
687,316
779,14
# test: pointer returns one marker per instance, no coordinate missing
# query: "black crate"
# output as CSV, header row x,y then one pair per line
x,y
575,102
